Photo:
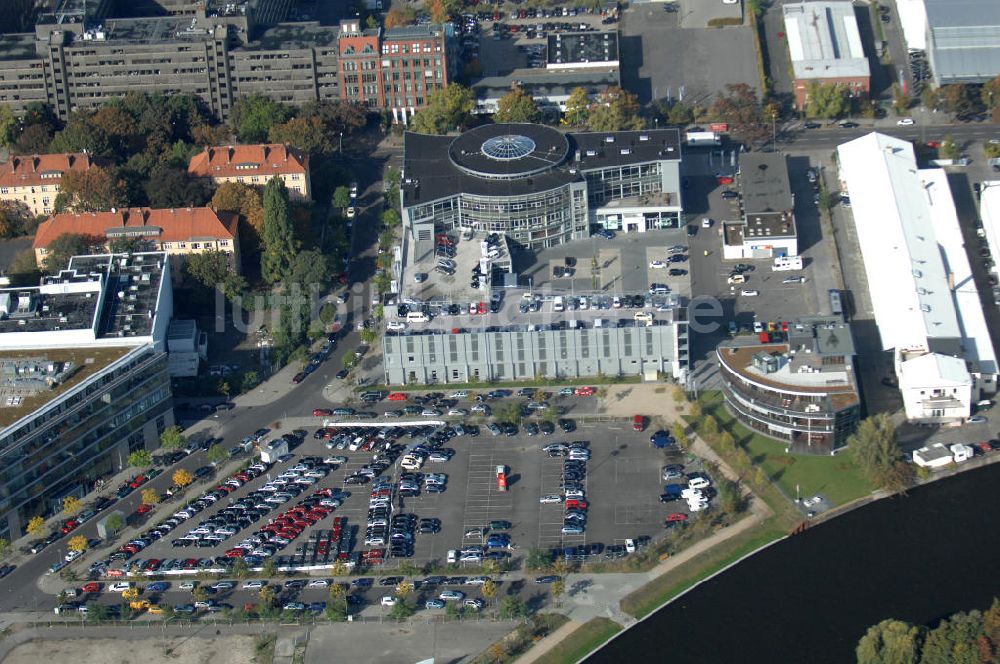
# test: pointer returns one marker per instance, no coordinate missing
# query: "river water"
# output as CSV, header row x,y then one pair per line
x,y
811,597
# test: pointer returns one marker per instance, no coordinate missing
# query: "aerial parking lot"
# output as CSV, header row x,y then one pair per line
x,y
368,496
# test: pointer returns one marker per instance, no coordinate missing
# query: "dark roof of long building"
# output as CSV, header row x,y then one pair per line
x,y
527,159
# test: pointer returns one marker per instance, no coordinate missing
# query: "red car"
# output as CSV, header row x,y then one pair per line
x,y
68,526
143,509
322,412
137,481
639,422
933,144
577,504
92,587
397,396
584,391
676,516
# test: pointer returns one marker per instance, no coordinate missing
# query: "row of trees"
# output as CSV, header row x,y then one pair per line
x,y
963,638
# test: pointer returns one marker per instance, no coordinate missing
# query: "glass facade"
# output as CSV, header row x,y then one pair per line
x,y
81,437
609,184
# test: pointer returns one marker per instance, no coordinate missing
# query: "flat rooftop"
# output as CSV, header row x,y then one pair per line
x,y
86,362
839,385
548,83
601,149
18,46
581,49
764,181
148,30
824,41
295,36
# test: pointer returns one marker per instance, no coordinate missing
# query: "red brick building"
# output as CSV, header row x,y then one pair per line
x,y
396,69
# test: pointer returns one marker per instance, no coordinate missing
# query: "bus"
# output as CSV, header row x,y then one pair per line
x,y
835,304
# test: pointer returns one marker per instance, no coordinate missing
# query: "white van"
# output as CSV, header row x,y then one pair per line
x,y
558,304
737,279
643,317
417,317
783,263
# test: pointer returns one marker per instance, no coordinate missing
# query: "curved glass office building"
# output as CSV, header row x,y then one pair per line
x,y
538,186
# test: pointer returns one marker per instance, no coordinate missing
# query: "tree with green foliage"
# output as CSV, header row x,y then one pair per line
x,y
171,187
517,106
114,522
310,268
341,197
4,547
730,497
615,109
8,126
140,459
214,269
96,189
508,412
708,427
512,606
948,149
876,452
390,218
253,117
401,610
679,433
64,247
336,610
900,101
308,134
447,109
173,438
992,150
742,111
216,454
278,238
577,108
23,269
827,100
890,642
537,558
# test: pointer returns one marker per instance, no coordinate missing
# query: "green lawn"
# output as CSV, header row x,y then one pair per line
x,y
836,477
656,593
581,642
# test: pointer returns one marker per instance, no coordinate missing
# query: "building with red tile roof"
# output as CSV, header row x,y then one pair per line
x,y
255,165
177,231
34,179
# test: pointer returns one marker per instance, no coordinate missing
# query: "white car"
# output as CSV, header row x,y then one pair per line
x,y
474,603
706,223
657,265
120,586
187,585
73,555
904,122
551,498
698,483
351,212
458,411
223,585
395,326
451,596
575,495
630,546
460,394
750,292
389,600
254,585
477,581
471,558
319,583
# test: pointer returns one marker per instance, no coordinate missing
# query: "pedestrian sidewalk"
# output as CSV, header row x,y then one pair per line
x,y
549,642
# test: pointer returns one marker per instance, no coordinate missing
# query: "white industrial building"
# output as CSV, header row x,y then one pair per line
x,y
926,304
989,214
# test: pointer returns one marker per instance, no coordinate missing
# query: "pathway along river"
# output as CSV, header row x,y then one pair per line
x,y
811,597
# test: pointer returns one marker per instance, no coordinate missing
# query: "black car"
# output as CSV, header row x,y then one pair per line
x,y
811,125
342,374
849,125
546,428
567,425
677,272
729,194
692,230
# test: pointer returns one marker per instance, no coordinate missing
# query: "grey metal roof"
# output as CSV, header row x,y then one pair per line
x,y
824,41
963,41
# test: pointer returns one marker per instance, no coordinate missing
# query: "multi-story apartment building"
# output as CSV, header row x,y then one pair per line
x,y
83,379
177,232
34,180
219,54
797,385
255,165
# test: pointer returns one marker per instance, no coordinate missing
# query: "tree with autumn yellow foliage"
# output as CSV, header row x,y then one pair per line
x,y
399,16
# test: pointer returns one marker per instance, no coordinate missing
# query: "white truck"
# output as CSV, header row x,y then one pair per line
x,y
785,263
703,138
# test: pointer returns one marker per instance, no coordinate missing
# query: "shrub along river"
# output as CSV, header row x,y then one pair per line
x,y
811,597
